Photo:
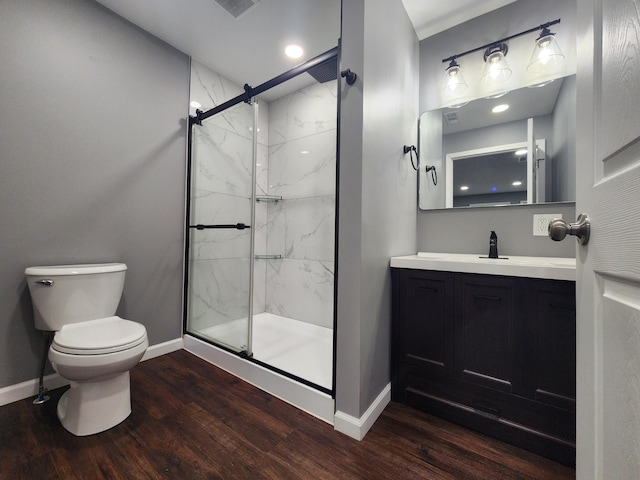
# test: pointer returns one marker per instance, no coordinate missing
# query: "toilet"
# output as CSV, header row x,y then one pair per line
x,y
92,348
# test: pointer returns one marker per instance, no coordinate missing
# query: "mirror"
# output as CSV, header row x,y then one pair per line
x,y
532,142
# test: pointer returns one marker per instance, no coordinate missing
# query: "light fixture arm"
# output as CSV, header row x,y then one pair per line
x,y
544,27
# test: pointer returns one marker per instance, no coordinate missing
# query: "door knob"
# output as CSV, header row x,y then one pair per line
x,y
558,229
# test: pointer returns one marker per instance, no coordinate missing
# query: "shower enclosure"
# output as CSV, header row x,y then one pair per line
x,y
261,221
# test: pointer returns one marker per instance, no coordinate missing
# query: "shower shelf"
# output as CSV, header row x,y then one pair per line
x,y
268,198
267,257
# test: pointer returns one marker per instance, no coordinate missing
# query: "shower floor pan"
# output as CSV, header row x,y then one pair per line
x,y
299,348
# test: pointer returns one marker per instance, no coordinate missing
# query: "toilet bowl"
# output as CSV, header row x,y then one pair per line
x,y
91,348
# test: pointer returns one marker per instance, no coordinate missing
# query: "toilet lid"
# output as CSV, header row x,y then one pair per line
x,y
94,337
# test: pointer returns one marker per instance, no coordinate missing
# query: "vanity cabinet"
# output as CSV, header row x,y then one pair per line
x,y
494,353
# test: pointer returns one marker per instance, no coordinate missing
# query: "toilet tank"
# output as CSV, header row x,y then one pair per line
x,y
64,294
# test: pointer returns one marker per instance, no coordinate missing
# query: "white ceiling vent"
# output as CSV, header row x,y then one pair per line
x,y
451,118
237,7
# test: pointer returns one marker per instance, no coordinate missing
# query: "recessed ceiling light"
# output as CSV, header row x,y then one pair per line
x,y
304,152
517,183
464,187
195,104
500,108
293,51
522,151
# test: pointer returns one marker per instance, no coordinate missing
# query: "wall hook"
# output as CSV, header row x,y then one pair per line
x,y
349,75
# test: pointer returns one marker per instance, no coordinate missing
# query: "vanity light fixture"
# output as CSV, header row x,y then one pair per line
x,y
293,51
547,56
500,108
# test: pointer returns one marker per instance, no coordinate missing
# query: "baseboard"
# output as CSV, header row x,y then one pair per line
x,y
358,427
29,388
163,348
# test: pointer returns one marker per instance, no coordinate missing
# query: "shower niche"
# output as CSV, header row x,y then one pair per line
x,y
261,218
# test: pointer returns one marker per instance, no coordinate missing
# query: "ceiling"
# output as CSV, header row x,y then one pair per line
x,y
248,49
434,16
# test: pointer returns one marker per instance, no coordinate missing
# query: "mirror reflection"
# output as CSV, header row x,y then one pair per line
x,y
476,184
522,154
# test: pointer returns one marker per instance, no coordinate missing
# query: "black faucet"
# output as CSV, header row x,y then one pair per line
x,y
493,245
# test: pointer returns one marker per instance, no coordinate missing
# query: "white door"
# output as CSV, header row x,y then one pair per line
x,y
608,286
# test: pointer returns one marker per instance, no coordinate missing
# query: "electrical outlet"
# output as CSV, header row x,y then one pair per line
x,y
541,223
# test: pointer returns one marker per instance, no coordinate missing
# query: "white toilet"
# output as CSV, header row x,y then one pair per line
x,y
91,348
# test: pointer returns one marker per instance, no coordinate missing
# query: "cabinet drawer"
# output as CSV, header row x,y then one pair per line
x,y
539,428
485,401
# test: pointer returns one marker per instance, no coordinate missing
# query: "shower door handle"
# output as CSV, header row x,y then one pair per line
x,y
237,226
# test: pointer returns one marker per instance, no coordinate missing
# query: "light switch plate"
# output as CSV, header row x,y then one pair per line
x,y
541,223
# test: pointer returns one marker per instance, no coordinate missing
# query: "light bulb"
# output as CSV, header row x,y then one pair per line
x,y
546,55
496,69
453,83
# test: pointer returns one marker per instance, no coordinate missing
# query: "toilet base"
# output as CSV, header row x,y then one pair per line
x,y
93,407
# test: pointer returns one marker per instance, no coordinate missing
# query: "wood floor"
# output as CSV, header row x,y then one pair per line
x,y
191,420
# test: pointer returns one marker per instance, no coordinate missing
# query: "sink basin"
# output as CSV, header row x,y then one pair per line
x,y
517,266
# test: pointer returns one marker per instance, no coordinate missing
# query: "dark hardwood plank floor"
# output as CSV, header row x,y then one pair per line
x,y
191,420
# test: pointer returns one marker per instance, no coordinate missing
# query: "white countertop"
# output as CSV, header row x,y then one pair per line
x,y
514,266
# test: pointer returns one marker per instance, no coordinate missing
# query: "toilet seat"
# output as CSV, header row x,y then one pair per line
x,y
97,337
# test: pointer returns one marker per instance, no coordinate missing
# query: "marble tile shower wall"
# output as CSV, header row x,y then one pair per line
x,y
300,228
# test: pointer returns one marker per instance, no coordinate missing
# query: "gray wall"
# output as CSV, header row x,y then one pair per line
x,y
467,231
92,159
564,149
377,210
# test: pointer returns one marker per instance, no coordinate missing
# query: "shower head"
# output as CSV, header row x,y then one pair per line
x,y
325,71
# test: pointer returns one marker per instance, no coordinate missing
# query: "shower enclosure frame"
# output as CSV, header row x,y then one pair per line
x,y
247,97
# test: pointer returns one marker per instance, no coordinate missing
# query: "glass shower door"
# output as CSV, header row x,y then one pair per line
x,y
219,306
